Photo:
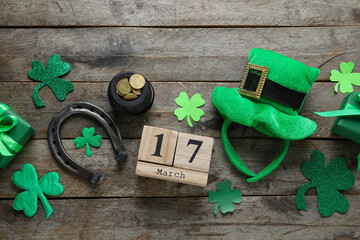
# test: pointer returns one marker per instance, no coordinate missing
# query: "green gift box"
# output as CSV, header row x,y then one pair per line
x,y
14,133
349,126
347,121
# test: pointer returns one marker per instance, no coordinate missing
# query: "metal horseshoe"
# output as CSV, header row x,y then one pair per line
x,y
58,149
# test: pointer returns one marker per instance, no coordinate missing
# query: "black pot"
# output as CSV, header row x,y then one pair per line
x,y
137,106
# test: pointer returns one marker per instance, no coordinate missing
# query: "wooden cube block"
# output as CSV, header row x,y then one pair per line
x,y
190,164
171,174
193,152
157,145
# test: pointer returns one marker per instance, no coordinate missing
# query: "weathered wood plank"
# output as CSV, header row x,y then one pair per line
x,y
178,13
201,54
19,97
178,218
165,55
119,179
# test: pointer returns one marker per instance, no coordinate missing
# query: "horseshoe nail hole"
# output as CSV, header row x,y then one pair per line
x,y
102,115
54,142
91,109
53,129
58,153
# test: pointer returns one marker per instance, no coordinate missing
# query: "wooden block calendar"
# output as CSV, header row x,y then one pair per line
x,y
179,157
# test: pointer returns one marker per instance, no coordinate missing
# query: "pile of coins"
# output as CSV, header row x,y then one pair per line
x,y
130,90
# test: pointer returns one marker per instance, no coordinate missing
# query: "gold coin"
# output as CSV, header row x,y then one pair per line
x,y
117,86
117,90
130,97
124,86
120,94
136,91
137,81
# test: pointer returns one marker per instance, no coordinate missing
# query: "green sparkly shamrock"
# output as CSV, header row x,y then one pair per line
x,y
27,179
87,140
345,78
225,197
327,180
189,109
54,69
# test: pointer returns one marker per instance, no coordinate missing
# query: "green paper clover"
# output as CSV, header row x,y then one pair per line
x,y
345,78
27,179
189,109
225,197
54,69
87,140
327,180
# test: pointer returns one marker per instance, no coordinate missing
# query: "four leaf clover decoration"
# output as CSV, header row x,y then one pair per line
x,y
27,179
54,69
225,197
345,78
189,108
88,140
327,180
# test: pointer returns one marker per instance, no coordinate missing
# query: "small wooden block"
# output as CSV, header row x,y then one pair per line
x,y
171,174
193,152
157,145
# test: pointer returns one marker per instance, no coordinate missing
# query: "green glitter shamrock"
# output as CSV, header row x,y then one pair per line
x,y
327,180
225,197
87,140
189,109
345,78
27,179
54,69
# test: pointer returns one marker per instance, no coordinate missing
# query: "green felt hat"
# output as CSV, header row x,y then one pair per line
x,y
269,98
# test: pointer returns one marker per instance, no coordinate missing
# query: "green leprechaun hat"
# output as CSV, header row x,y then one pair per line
x,y
271,94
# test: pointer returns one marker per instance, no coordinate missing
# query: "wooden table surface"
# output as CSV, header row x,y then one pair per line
x,y
178,45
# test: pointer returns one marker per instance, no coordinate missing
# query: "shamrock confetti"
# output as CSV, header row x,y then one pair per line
x,y
27,179
189,109
327,181
54,69
87,140
225,197
345,78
